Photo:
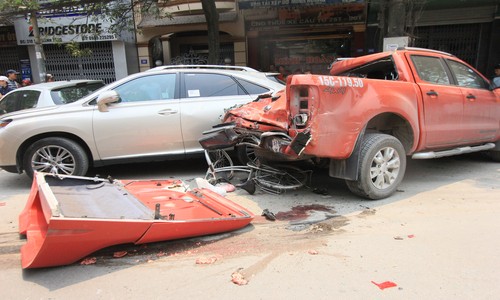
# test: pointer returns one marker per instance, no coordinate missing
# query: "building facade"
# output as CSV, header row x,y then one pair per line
x,y
301,35
109,56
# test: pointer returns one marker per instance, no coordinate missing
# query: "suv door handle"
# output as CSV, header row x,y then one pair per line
x,y
167,112
471,97
432,93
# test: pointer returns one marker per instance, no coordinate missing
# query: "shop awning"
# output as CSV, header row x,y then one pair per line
x,y
151,21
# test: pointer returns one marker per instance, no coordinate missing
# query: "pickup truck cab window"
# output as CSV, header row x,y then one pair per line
x,y
467,77
383,69
431,69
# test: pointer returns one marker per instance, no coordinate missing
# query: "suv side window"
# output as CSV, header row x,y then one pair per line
x,y
154,87
431,69
210,85
252,88
467,77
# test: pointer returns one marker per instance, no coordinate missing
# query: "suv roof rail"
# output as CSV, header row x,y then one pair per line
x,y
212,67
425,49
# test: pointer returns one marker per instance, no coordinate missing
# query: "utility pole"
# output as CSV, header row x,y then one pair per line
x,y
39,53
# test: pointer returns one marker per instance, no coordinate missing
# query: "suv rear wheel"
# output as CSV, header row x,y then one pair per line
x,y
56,155
381,168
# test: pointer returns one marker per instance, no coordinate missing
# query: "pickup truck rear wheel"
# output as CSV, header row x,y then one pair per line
x,y
55,155
381,168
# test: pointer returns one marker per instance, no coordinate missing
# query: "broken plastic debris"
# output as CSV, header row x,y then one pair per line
x,y
226,186
204,184
385,284
119,254
88,261
410,236
238,278
313,252
269,215
206,260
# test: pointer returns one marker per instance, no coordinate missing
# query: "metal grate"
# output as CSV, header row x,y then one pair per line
x,y
9,59
462,40
99,65
198,55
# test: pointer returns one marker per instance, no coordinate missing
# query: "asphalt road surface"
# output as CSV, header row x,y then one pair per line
x,y
438,237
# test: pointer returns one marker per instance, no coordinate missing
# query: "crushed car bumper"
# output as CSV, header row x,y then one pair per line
x,y
280,143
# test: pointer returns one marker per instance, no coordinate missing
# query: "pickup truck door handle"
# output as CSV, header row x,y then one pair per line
x,y
432,93
471,97
167,111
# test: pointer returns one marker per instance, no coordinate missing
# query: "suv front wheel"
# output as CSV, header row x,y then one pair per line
x,y
55,155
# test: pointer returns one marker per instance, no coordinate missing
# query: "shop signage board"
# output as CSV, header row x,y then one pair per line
x,y
249,4
310,17
64,25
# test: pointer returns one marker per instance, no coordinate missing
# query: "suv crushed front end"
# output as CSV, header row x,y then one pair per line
x,y
262,124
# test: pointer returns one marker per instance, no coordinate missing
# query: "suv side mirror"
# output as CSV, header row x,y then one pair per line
x,y
105,98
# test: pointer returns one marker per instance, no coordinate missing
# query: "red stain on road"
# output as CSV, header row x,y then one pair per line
x,y
301,212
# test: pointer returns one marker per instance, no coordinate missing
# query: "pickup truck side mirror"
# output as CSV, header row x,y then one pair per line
x,y
105,98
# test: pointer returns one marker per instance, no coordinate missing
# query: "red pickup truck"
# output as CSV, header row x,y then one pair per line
x,y
369,115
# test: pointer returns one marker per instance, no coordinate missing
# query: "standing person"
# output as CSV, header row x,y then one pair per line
x,y
4,86
49,78
26,82
496,79
12,76
283,73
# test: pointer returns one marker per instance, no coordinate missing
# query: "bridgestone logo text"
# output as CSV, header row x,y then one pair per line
x,y
70,29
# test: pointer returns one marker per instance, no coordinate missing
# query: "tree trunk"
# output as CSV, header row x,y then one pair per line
x,y
212,17
397,18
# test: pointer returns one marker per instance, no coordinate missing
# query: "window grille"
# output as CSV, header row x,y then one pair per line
x,y
462,40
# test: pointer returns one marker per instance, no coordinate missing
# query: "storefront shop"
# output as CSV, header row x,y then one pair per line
x,y
109,56
12,56
306,35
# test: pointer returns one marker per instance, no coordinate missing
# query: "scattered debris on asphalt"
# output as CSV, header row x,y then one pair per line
x,y
206,260
238,278
88,261
313,252
119,254
385,284
269,215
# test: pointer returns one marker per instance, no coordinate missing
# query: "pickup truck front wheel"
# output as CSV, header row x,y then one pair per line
x,y
381,168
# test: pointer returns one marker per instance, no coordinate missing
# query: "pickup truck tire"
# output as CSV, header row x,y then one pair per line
x,y
494,155
381,168
55,155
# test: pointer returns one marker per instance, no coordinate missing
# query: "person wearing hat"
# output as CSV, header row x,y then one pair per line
x,y
12,76
4,86
49,78
496,79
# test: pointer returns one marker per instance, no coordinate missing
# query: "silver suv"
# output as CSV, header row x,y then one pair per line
x,y
154,115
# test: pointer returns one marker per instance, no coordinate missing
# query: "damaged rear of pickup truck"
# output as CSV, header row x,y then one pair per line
x,y
369,115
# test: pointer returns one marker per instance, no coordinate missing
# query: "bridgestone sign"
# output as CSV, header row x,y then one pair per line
x,y
55,30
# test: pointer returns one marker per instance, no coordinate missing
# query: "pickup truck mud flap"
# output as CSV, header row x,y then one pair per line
x,y
299,143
